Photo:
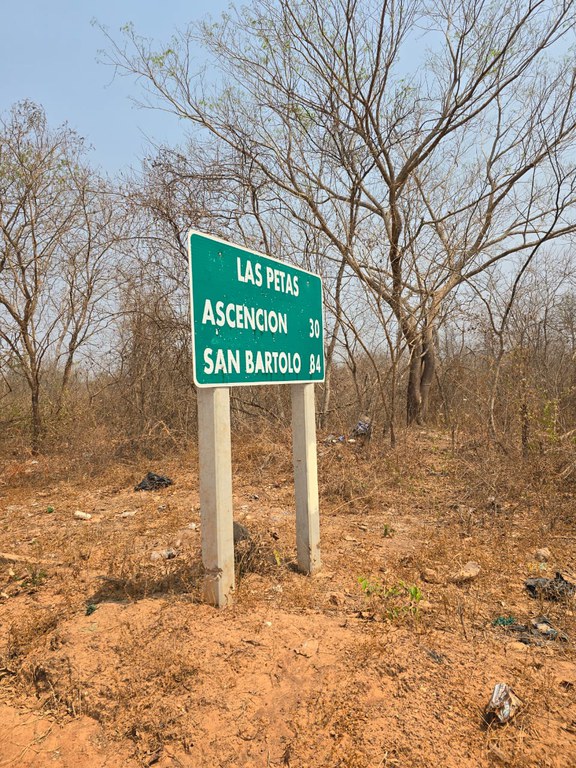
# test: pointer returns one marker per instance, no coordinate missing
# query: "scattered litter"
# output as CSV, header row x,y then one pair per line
x,y
540,628
468,573
152,482
90,609
82,515
504,703
542,555
333,439
128,513
550,589
192,526
504,621
164,554
543,626
363,428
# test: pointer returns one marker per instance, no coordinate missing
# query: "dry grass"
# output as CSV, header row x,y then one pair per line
x,y
155,668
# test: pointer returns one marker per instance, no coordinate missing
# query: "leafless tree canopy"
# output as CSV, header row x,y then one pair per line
x,y
55,269
419,155
423,141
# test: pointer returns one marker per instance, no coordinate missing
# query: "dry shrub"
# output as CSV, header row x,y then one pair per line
x,y
266,454
30,630
137,580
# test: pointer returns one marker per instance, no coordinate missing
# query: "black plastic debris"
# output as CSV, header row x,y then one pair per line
x,y
550,589
152,482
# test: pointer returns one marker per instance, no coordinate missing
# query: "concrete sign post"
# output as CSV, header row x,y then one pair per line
x,y
216,494
255,320
305,477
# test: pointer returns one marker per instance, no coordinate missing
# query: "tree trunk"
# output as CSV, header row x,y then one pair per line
x,y
421,376
414,394
427,372
36,437
329,354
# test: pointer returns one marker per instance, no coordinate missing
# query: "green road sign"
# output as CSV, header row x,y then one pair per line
x,y
255,320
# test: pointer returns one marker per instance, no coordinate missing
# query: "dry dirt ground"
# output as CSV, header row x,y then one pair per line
x,y
107,657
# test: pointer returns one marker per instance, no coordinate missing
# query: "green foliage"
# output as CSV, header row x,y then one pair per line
x,y
398,600
36,578
387,531
369,587
158,60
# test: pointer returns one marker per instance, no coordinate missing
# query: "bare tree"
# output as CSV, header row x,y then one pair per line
x,y
55,218
448,124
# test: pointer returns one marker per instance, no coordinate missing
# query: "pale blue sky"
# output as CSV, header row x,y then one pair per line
x,y
49,54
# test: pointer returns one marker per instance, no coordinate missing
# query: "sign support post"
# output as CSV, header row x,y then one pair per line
x,y
305,477
255,320
216,494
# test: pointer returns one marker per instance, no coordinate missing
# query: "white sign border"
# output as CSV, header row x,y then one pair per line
x,y
216,239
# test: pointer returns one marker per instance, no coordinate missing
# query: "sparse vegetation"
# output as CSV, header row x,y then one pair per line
x,y
436,196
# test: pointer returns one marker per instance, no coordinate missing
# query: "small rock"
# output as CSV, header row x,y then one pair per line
x,y
425,606
79,515
164,554
468,573
4,595
308,649
241,533
542,555
128,513
517,646
192,526
430,576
